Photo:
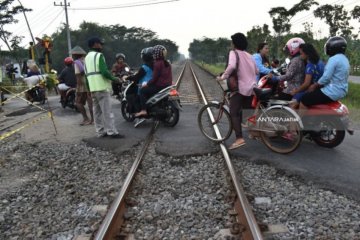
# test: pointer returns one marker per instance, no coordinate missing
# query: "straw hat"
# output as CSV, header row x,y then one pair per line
x,y
77,51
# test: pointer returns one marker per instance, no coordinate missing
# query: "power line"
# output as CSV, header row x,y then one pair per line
x,y
123,6
66,5
50,22
35,21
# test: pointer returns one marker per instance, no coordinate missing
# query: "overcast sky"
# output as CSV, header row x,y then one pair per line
x,y
180,21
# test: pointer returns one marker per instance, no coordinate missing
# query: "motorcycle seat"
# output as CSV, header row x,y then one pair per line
x,y
263,93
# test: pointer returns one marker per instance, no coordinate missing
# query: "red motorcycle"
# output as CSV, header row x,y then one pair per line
x,y
325,124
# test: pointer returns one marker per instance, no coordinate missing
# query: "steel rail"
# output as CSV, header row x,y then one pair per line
x,y
250,221
114,217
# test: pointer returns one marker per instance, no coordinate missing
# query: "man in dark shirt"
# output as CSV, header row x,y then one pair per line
x,y
66,78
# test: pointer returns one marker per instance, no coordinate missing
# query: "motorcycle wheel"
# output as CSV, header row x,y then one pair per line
x,y
129,117
172,115
281,136
330,135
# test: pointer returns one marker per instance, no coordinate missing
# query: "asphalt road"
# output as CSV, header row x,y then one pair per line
x,y
335,169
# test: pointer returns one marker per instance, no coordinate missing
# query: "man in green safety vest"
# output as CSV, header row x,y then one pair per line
x,y
99,80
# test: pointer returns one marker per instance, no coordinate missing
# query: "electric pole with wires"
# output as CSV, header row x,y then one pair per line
x,y
66,5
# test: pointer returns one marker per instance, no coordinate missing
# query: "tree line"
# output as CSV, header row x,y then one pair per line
x,y
335,16
118,38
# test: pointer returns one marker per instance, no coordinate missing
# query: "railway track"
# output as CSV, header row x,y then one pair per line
x,y
111,226
121,220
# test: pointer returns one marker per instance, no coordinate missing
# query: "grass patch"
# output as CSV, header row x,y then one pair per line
x,y
352,99
215,69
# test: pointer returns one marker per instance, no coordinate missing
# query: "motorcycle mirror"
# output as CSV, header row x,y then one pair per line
x,y
127,69
287,60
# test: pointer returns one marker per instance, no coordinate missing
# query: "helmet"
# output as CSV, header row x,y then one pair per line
x,y
68,60
159,52
147,54
293,45
335,45
120,55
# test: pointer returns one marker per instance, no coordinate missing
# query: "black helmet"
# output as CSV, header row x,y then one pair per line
x,y
335,45
120,55
147,54
160,52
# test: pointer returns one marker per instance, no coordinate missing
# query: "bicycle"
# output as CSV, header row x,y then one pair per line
x,y
277,125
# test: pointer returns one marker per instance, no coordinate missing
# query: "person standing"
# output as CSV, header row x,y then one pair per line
x,y
99,80
246,74
82,91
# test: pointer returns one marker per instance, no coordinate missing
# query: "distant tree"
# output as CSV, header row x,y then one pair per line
x,y
7,13
118,38
209,50
336,17
258,35
355,13
281,16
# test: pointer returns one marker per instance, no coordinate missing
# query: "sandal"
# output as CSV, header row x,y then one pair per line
x,y
85,123
236,145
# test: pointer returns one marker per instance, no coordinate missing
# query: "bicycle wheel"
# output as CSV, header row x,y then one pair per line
x,y
280,130
221,118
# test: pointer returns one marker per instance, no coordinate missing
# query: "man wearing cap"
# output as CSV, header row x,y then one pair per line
x,y
99,80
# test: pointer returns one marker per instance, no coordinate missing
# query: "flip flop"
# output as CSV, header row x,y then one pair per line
x,y
236,145
85,123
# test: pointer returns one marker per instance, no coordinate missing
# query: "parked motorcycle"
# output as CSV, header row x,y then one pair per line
x,y
325,124
163,106
36,94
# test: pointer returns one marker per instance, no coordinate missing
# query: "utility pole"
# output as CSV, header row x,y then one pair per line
x,y
66,5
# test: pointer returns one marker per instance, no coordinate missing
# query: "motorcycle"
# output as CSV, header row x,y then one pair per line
x,y
69,100
119,86
163,106
37,91
325,124
36,94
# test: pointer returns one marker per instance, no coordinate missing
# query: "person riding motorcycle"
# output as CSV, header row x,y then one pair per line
x,y
262,60
142,77
161,78
295,71
333,85
67,79
313,71
117,68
